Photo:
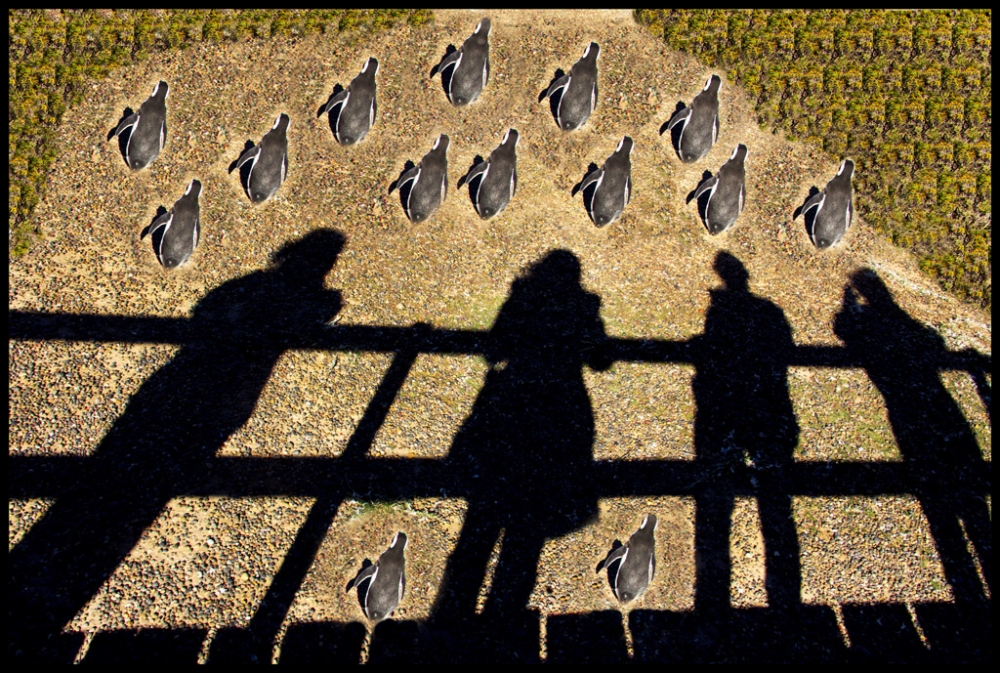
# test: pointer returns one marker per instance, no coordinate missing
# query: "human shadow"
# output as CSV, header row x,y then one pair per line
x,y
938,446
745,433
527,450
165,440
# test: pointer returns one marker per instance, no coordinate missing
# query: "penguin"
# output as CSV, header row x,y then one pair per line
x,y
147,129
574,95
381,584
631,566
269,159
465,71
352,110
726,193
423,187
492,183
175,233
699,123
833,209
607,191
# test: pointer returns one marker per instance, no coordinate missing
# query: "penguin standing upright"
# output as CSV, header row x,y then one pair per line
x,y
147,129
632,565
352,111
574,95
269,159
699,123
465,71
492,183
828,213
607,190
176,232
726,193
381,584
424,187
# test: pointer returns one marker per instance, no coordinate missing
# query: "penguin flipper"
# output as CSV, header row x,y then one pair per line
x,y
365,573
614,555
249,155
127,123
404,178
709,184
560,83
162,221
473,172
448,60
335,100
680,116
814,201
590,179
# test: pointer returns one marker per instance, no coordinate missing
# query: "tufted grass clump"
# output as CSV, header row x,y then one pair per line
x,y
906,94
53,53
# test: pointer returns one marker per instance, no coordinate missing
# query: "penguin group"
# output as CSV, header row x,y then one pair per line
x,y
492,183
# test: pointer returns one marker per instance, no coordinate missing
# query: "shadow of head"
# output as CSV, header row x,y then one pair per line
x,y
307,260
868,284
732,272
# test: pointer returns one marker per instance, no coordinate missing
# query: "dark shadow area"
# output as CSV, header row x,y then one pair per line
x,y
178,647
445,76
938,446
810,217
323,643
588,638
245,168
554,98
675,132
124,137
745,432
166,438
333,117
394,642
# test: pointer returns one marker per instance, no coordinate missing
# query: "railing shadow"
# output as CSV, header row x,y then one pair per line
x,y
523,459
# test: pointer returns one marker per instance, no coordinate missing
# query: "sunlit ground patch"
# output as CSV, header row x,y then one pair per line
x,y
203,562
22,515
963,390
747,587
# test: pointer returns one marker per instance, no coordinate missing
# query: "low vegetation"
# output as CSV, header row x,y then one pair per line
x,y
53,53
906,94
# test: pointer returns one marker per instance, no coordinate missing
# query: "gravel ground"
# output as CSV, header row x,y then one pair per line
x,y
208,561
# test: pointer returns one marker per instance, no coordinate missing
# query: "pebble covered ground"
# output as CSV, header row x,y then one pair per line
x,y
208,561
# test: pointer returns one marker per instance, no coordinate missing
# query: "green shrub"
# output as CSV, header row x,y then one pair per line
x,y
907,94
52,54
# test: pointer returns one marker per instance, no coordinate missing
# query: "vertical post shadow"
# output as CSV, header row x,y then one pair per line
x,y
745,434
937,443
163,441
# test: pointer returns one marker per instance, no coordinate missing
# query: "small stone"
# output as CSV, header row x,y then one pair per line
x,y
622,103
376,208
95,156
192,141
651,99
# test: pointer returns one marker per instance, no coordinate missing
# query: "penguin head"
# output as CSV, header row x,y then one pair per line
x,y
846,169
194,189
372,63
714,84
740,153
483,27
511,134
162,89
401,540
625,145
650,520
593,51
282,122
442,143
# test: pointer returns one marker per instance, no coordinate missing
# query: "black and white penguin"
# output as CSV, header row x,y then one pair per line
x,y
381,584
573,96
465,71
607,190
147,129
632,565
726,192
828,213
492,183
698,123
176,232
352,110
424,187
269,159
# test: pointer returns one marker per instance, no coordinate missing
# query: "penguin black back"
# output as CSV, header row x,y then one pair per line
x,y
424,187
352,110
143,134
268,161
176,233
382,584
696,128
829,214
573,97
493,183
608,190
724,193
631,566
466,71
